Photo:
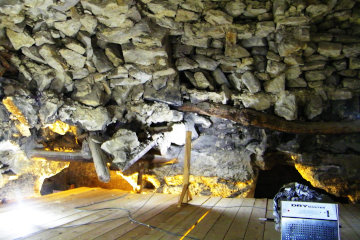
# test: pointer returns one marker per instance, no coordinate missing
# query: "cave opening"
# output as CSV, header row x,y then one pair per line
x,y
270,181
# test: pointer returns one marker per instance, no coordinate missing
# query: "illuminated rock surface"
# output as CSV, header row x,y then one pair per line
x,y
110,66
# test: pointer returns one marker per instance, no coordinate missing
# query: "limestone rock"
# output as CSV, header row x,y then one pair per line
x,y
288,47
138,73
220,77
254,42
344,4
263,29
315,76
351,50
236,51
216,43
142,56
354,63
205,62
162,8
74,59
296,83
197,96
313,65
201,80
89,92
70,27
51,57
235,79
169,94
49,105
90,119
43,37
88,23
314,107
273,56
316,10
164,73
339,94
154,113
276,85
19,39
101,62
121,144
32,53
255,8
351,83
119,72
185,63
186,16
41,74
123,35
259,101
286,106
85,39
217,17
235,8
275,68
329,49
74,45
80,73
251,82
106,11
293,73
114,55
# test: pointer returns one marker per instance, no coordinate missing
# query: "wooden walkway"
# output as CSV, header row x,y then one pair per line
x,y
94,213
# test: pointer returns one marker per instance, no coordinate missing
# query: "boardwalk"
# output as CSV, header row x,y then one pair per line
x,y
94,213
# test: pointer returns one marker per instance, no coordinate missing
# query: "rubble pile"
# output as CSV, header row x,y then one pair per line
x,y
120,68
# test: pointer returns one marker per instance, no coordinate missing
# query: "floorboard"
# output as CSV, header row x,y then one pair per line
x,y
157,217
269,232
148,211
76,217
255,229
238,227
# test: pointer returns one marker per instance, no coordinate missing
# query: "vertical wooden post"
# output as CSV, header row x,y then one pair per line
x,y
140,183
185,194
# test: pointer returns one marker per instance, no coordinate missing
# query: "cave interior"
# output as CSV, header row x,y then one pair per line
x,y
119,97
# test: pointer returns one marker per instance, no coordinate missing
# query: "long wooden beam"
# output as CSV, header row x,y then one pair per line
x,y
249,117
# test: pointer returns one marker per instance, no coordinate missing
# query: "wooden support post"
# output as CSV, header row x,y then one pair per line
x,y
140,183
99,160
185,194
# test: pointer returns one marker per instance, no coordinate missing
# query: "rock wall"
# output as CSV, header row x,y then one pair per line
x,y
120,68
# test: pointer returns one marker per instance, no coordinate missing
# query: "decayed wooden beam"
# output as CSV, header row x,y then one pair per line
x,y
249,117
99,160
75,156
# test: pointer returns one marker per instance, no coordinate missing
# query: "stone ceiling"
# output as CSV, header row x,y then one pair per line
x,y
120,69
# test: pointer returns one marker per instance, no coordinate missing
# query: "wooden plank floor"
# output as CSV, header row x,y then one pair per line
x,y
94,213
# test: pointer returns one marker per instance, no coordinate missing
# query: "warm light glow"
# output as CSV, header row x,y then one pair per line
x,y
23,220
22,124
59,149
333,186
13,177
43,169
153,180
131,179
61,128
193,226
217,188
